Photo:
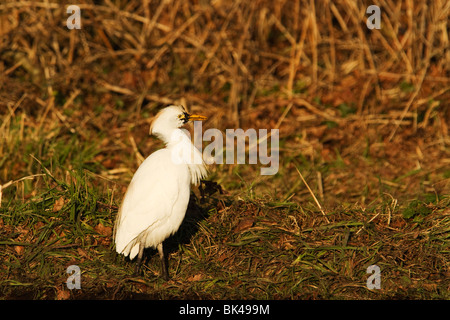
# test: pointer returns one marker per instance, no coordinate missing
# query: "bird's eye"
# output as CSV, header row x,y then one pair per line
x,y
184,117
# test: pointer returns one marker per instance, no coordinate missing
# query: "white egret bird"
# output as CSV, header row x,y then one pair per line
x,y
158,195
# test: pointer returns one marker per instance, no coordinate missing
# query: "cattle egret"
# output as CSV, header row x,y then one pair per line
x,y
158,195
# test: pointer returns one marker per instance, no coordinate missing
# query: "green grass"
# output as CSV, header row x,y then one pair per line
x,y
250,248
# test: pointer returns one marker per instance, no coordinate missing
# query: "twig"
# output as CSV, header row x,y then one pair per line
x,y
9,183
314,197
138,155
371,219
410,101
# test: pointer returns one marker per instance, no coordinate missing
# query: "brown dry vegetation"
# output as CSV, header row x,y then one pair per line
x,y
363,114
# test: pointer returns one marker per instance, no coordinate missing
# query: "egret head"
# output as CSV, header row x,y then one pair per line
x,y
171,118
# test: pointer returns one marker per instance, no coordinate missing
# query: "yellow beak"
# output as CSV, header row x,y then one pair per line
x,y
194,117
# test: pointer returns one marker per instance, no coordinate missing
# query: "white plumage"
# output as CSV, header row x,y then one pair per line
x,y
158,195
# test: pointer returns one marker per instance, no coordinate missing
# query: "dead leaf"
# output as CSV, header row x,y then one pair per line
x,y
62,294
19,250
59,204
244,224
104,231
197,277
82,252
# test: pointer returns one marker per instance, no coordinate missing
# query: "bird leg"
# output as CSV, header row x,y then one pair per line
x,y
164,262
139,259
